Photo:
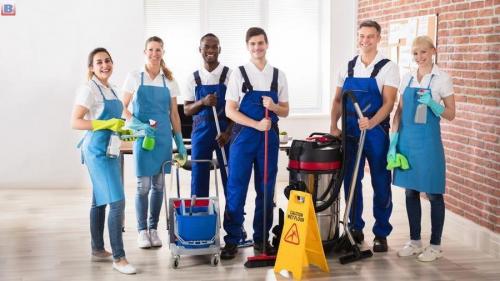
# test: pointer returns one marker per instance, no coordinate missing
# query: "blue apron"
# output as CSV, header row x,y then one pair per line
x,y
105,172
375,150
153,102
422,146
247,153
204,132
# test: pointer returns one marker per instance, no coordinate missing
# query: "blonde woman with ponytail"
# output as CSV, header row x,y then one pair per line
x,y
153,92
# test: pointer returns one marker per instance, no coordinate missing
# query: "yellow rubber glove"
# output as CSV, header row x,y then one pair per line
x,y
114,124
180,158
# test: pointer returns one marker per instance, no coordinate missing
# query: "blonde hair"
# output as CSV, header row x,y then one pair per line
x,y
423,40
164,68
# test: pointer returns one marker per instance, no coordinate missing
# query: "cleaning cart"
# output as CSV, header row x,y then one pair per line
x,y
193,224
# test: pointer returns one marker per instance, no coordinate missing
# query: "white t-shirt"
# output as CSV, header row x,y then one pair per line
x,y
260,80
387,76
207,78
441,84
88,96
133,81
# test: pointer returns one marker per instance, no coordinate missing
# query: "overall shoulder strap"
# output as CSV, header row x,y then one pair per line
x,y
223,75
350,66
197,78
246,84
274,83
378,66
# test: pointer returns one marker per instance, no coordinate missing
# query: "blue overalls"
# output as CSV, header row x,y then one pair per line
x,y
105,172
247,150
422,146
153,102
375,151
204,132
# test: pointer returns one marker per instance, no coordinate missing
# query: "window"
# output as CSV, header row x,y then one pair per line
x,y
298,31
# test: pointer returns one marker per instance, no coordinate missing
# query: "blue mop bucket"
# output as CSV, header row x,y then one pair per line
x,y
200,225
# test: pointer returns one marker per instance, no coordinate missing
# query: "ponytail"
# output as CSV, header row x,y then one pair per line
x,y
166,71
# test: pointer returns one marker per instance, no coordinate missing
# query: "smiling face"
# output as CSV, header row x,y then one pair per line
x,y
257,47
368,39
422,54
102,66
210,49
154,53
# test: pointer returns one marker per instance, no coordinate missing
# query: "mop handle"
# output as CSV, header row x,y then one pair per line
x,y
224,159
352,187
266,135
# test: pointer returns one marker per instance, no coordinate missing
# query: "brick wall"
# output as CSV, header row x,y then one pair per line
x,y
468,44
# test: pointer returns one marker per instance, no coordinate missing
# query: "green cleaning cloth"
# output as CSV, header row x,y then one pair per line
x,y
399,161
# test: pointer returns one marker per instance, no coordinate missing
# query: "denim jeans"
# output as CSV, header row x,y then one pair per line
x,y
115,223
144,185
415,214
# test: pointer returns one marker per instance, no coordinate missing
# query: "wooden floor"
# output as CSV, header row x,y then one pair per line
x,y
45,236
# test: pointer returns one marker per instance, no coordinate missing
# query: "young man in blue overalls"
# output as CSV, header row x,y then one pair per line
x,y
373,80
253,89
207,89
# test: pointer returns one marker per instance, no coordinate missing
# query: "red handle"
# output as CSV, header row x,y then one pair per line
x,y
266,135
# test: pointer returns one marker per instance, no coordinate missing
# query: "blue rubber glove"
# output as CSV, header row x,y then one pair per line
x,y
391,154
136,125
180,145
436,108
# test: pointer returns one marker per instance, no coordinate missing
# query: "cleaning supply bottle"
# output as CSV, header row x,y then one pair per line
x,y
421,111
113,150
148,143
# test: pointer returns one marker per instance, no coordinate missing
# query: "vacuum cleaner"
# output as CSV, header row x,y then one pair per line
x,y
316,166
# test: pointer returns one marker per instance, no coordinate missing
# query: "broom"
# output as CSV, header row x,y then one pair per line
x,y
263,259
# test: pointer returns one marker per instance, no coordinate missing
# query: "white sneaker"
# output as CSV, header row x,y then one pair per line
x,y
143,240
410,249
125,269
155,239
430,254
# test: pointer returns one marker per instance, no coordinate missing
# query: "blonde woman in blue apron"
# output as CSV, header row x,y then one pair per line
x,y
416,137
153,93
97,110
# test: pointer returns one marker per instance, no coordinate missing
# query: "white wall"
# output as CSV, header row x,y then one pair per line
x,y
42,61
344,26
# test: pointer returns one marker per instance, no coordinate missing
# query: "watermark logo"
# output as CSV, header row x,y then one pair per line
x,y
8,9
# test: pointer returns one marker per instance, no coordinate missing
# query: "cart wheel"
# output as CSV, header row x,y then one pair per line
x,y
214,261
174,261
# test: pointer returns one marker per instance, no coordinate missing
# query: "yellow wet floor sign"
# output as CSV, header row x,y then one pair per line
x,y
300,243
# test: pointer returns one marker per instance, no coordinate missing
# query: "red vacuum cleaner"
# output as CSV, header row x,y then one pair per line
x,y
263,259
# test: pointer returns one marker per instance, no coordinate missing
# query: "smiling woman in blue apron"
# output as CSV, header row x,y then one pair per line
x,y
153,93
97,109
416,135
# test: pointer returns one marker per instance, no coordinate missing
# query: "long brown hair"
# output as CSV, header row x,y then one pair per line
x,y
163,66
90,60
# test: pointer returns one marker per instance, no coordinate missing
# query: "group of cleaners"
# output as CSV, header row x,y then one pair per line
x,y
247,102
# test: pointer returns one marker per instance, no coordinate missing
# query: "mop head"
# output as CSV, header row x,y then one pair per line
x,y
260,261
355,256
